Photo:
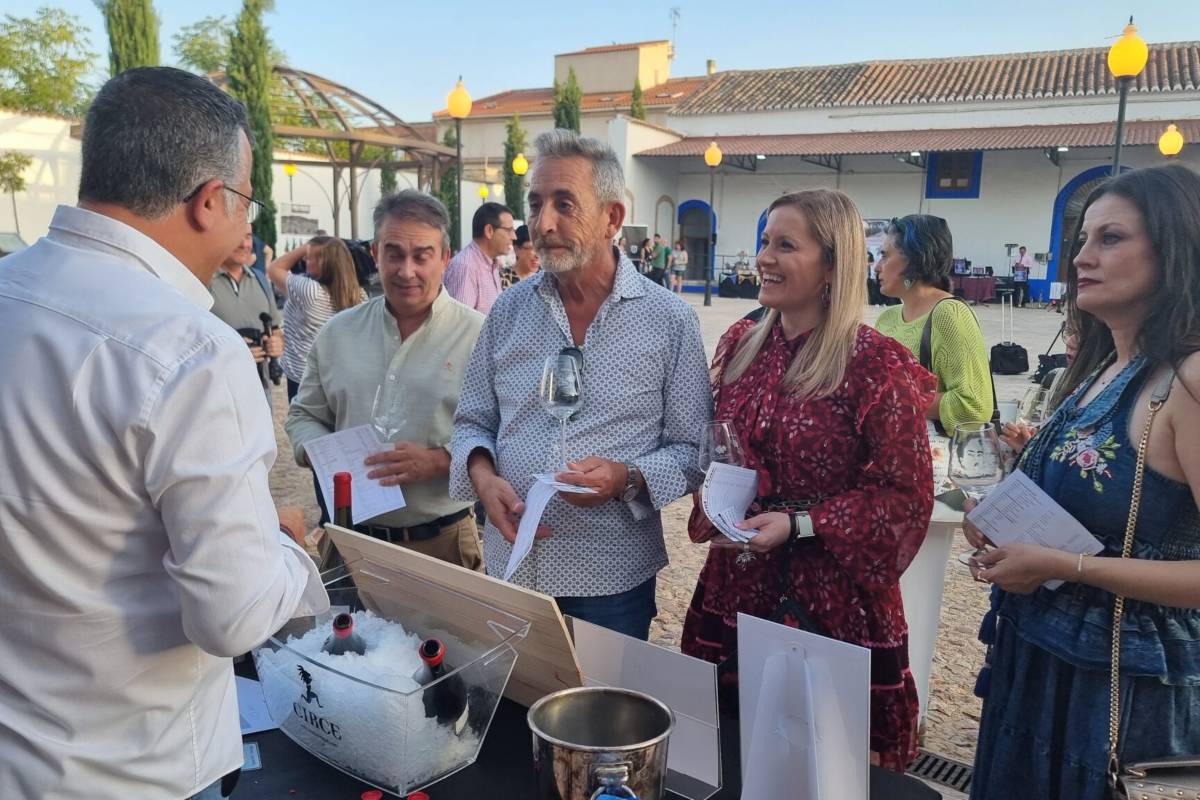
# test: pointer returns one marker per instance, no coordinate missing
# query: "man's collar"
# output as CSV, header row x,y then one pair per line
x,y
440,303
103,233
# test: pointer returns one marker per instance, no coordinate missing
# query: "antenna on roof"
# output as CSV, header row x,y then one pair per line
x,y
674,24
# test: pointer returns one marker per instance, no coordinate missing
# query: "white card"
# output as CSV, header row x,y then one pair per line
x,y
727,492
344,451
1017,510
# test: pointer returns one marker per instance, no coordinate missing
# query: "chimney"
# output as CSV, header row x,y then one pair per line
x,y
711,66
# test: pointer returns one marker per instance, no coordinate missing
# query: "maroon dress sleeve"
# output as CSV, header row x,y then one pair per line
x,y
875,529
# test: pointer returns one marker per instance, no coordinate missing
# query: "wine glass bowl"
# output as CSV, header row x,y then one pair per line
x,y
976,459
1034,408
560,389
388,416
720,444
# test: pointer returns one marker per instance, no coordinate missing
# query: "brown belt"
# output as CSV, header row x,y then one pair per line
x,y
417,533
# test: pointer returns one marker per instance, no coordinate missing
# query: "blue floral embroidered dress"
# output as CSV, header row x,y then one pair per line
x,y
1044,729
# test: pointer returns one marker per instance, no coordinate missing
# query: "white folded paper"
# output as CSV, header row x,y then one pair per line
x,y
727,492
1017,510
344,451
539,496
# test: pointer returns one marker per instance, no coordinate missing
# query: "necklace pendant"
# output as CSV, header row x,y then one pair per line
x,y
744,558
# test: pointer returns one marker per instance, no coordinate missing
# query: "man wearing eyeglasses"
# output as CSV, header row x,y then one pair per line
x,y
473,275
141,547
240,297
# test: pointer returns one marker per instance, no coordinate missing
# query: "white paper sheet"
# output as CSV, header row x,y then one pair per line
x,y
831,725
1018,510
727,492
548,478
252,707
344,451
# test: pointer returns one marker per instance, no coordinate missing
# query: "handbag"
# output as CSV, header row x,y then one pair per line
x,y
788,611
1173,776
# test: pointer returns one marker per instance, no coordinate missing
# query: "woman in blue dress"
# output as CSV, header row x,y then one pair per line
x,y
1134,287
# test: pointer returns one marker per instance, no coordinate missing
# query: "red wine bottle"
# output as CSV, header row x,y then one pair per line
x,y
341,499
445,699
344,639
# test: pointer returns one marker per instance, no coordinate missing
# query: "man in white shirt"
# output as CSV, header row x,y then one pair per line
x,y
139,547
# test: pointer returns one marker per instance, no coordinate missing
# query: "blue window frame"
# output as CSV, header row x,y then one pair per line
x,y
951,175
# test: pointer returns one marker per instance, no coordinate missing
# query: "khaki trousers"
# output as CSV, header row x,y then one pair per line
x,y
457,543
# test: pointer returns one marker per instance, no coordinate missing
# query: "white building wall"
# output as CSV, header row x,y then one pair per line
x,y
51,180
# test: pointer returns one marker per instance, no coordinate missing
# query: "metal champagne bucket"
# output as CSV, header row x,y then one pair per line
x,y
600,742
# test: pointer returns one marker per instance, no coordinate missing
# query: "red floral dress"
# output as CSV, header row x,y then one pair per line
x,y
862,455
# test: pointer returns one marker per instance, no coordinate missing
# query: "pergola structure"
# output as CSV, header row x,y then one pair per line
x,y
336,126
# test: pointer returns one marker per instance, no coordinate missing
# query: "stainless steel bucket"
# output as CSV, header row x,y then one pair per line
x,y
599,742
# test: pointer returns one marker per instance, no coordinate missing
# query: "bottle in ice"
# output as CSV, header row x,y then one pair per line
x,y
344,639
446,699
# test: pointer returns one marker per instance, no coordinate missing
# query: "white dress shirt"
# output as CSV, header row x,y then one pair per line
x,y
139,546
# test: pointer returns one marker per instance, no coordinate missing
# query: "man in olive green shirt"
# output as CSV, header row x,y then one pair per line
x,y
410,347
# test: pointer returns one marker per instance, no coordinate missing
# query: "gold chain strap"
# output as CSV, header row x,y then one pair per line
x,y
1135,502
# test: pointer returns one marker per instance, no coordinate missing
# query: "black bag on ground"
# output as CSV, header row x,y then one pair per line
x,y
1047,362
728,288
1008,357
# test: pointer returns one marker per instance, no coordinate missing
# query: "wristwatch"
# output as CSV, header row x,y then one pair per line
x,y
632,473
801,526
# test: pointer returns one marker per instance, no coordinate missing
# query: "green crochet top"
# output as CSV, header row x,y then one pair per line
x,y
960,361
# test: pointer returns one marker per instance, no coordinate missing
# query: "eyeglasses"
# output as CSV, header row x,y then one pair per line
x,y
253,207
508,228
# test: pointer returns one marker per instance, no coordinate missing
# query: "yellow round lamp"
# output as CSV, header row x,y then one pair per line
x,y
458,102
483,192
289,169
519,165
712,155
1128,55
1171,142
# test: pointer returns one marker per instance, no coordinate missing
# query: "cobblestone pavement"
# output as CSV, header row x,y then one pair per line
x,y
953,717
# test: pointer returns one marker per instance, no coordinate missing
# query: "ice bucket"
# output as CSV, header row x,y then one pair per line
x,y
366,727
599,742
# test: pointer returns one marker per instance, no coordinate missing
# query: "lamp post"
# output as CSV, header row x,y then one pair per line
x,y
1171,142
1126,59
712,157
519,167
458,105
289,169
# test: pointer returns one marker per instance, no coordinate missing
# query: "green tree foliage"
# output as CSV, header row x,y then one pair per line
x,y
43,60
514,184
387,178
12,179
132,29
447,192
249,81
203,46
568,102
637,106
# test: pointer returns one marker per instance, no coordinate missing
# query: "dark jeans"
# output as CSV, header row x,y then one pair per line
x,y
292,387
628,612
1020,294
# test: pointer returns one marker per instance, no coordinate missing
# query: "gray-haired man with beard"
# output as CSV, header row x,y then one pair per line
x,y
645,399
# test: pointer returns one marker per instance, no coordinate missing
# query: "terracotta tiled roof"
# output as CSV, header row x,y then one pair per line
x,y
1173,67
1033,137
614,48
541,101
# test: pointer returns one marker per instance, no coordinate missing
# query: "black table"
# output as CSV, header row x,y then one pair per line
x,y
504,769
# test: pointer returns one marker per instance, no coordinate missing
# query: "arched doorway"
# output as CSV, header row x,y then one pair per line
x,y
758,231
1068,206
696,224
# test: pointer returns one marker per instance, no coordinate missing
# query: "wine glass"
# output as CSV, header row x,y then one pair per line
x,y
720,444
1034,409
976,464
561,392
387,414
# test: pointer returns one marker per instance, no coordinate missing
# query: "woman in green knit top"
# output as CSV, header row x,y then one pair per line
x,y
914,266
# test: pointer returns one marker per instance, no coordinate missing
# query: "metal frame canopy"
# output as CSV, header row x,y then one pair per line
x,y
309,108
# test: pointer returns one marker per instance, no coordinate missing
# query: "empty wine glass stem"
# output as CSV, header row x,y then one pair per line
x,y
562,442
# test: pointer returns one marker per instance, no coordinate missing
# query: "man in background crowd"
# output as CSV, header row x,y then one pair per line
x,y
1020,272
473,276
240,296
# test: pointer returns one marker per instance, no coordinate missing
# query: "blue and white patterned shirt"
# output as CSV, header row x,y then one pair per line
x,y
646,400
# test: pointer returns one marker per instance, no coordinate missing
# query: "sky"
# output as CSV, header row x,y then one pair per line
x,y
406,56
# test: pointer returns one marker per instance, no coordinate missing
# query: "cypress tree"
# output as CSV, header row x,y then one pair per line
x,y
249,81
132,29
514,184
637,106
568,102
